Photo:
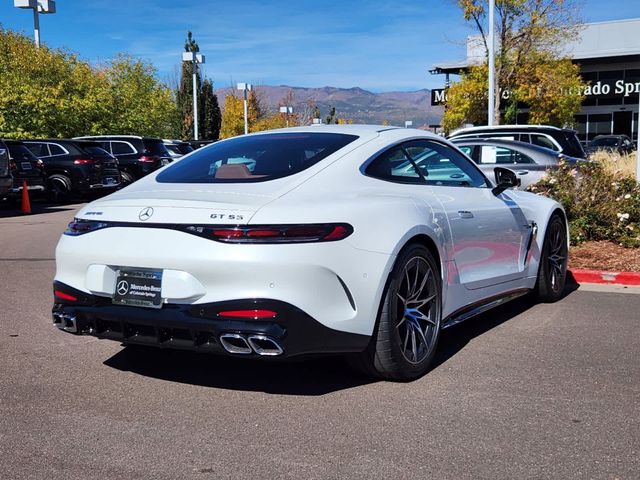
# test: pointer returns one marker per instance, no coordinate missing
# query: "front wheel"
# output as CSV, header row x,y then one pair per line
x,y
408,327
552,273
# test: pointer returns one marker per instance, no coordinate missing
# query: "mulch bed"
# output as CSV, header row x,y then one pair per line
x,y
606,256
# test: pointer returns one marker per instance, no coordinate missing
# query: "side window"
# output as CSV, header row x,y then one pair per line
x,y
442,165
394,165
56,149
543,141
40,150
468,151
525,137
121,148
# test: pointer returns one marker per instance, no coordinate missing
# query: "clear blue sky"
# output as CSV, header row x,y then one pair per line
x,y
380,45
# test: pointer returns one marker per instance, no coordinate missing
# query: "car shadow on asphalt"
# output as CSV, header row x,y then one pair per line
x,y
308,376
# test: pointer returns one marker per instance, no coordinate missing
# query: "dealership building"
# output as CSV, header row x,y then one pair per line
x,y
609,57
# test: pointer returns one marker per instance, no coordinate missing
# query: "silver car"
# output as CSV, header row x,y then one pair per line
x,y
530,162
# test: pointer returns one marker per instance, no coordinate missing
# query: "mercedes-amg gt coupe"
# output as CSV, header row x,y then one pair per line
x,y
309,240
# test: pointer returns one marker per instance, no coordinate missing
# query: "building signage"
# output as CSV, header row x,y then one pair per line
x,y
600,88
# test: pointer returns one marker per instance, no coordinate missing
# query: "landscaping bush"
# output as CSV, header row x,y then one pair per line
x,y
602,202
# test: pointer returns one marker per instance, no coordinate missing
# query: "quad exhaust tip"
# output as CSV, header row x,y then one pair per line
x,y
65,322
259,344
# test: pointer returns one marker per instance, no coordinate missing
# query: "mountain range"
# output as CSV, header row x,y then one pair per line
x,y
355,104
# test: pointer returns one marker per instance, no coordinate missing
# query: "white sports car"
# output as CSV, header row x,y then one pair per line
x,y
308,240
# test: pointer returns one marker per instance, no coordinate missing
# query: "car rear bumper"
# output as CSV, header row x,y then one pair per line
x,y
201,327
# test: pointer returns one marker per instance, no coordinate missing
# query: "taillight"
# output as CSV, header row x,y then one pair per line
x,y
80,227
254,314
59,295
84,161
275,233
149,158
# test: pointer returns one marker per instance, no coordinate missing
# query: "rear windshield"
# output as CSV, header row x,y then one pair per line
x,y
184,148
605,142
575,144
255,158
155,147
20,153
94,148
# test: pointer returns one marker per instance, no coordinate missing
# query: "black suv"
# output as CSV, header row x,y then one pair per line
x,y
6,179
76,167
562,140
25,166
611,143
137,156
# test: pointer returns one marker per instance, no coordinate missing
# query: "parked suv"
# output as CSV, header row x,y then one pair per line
x,y
25,165
562,140
137,156
6,179
76,167
177,148
611,143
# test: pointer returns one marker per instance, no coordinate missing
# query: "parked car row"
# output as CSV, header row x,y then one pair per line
x,y
81,166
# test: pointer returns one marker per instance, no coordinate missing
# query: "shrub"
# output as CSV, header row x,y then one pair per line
x,y
601,203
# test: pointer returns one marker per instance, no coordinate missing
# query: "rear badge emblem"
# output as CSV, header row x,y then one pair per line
x,y
145,214
123,287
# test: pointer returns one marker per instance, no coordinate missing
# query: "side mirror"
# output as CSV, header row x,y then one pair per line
x,y
505,179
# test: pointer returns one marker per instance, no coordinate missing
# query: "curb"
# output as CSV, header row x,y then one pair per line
x,y
607,278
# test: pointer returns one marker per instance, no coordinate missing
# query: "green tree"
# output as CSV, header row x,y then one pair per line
x,y
530,67
212,117
51,93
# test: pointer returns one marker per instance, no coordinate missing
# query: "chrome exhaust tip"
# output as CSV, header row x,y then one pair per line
x,y
264,345
65,322
235,343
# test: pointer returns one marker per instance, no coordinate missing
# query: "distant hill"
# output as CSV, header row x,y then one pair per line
x,y
355,104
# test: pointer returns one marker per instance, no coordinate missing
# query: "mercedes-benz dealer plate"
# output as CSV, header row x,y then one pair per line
x,y
140,288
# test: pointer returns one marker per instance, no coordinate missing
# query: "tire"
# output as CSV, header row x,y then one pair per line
x,y
127,178
59,187
552,272
412,303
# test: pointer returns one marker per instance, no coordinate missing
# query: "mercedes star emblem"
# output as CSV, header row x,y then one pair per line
x,y
145,214
123,287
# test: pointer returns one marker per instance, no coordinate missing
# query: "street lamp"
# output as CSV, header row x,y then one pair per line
x,y
408,123
195,59
38,6
492,64
246,88
286,110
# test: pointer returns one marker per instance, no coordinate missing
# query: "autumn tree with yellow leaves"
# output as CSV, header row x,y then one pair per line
x,y
531,70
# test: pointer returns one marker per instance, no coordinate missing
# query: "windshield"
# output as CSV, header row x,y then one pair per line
x,y
255,158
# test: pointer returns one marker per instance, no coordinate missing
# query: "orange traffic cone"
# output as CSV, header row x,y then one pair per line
x,y
26,204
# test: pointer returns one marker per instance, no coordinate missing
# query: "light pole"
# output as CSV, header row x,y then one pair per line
x,y
492,63
638,144
246,88
195,59
286,110
38,6
408,123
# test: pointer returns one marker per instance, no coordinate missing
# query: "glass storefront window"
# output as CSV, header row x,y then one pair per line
x,y
607,84
599,125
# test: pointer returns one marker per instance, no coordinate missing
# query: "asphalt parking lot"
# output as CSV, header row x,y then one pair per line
x,y
525,391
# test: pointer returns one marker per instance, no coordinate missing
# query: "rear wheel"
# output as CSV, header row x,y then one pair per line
x,y
59,187
552,273
407,331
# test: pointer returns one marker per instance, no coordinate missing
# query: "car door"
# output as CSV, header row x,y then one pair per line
x,y
491,156
489,233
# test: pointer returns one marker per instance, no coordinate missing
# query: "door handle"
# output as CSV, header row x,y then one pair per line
x,y
465,214
522,172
